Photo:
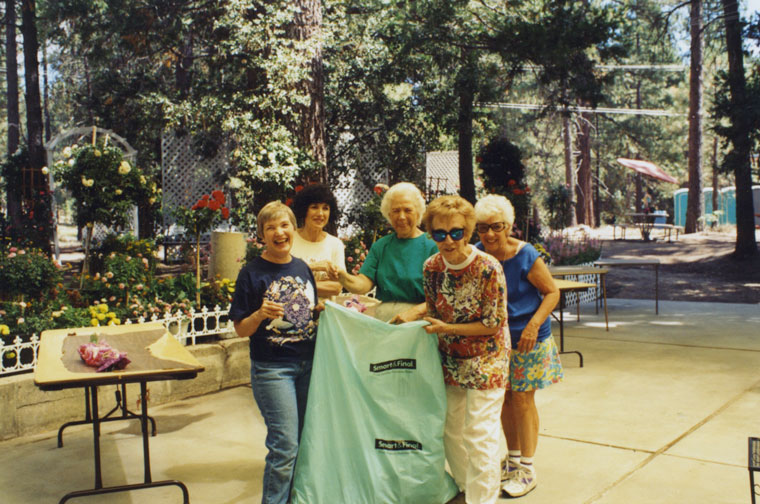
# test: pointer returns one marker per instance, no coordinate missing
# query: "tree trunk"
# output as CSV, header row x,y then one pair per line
x,y
35,185
585,205
569,169
310,130
739,159
466,85
14,119
695,206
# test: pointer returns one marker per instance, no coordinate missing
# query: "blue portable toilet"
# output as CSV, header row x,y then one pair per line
x,y
680,200
707,193
728,205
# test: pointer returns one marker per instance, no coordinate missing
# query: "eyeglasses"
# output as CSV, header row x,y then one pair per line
x,y
496,227
440,235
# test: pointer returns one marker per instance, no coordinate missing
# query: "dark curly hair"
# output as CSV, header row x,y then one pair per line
x,y
316,193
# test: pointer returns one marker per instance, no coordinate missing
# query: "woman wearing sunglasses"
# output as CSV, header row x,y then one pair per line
x,y
466,298
534,361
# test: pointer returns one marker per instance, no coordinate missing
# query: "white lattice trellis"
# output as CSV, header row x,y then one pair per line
x,y
352,191
186,176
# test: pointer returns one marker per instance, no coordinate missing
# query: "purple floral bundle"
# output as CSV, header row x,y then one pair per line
x,y
103,356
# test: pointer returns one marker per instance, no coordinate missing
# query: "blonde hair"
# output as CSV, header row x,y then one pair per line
x,y
448,206
271,211
494,204
403,189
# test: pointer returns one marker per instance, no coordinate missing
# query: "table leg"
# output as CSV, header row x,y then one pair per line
x,y
96,435
604,294
562,329
657,289
149,483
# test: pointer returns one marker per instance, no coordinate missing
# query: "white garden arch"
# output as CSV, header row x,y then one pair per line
x,y
77,134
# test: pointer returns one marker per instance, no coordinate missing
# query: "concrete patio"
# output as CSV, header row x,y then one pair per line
x,y
660,413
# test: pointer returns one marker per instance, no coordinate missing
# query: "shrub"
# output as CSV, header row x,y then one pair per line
x,y
566,251
558,202
356,253
27,274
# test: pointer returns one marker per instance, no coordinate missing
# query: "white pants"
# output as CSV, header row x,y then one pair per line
x,y
471,441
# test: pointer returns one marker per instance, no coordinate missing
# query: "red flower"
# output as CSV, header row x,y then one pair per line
x,y
205,197
214,205
518,191
527,189
219,196
478,159
225,213
299,188
289,201
511,182
202,203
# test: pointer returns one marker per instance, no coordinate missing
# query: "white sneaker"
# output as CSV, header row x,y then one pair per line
x,y
508,470
522,482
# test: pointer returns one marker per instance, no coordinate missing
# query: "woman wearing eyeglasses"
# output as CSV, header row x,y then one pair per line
x,y
534,361
394,262
466,298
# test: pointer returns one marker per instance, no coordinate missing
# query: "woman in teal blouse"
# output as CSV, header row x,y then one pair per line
x,y
394,262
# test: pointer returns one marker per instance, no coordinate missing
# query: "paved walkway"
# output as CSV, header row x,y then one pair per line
x,y
660,413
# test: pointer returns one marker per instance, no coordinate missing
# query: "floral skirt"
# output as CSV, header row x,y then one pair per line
x,y
536,369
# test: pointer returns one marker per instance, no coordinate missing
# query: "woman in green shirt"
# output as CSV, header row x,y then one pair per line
x,y
394,262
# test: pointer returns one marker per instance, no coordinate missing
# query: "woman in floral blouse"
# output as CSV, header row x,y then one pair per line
x,y
466,297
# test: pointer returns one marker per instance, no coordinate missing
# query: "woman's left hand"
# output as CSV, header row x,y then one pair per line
x,y
527,339
436,326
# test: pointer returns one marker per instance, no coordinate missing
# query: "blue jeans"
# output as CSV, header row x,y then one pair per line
x,y
280,390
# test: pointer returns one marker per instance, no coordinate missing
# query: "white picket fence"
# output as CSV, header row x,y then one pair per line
x,y
21,355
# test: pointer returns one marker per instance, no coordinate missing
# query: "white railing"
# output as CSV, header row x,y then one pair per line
x,y
21,356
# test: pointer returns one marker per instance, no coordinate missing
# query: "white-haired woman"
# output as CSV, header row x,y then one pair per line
x,y
394,263
534,361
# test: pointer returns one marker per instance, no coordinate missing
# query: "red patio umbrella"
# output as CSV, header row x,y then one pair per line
x,y
647,168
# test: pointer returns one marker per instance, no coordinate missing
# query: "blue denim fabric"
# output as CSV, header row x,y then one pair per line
x,y
280,390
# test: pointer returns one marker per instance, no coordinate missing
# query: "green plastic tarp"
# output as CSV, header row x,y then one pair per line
x,y
375,416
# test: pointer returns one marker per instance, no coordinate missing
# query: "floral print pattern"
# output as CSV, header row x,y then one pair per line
x,y
297,324
477,292
536,369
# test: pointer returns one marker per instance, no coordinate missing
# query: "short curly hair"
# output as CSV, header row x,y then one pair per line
x,y
316,193
406,189
495,204
448,206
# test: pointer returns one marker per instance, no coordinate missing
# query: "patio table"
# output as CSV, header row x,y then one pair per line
x,y
564,287
576,271
154,354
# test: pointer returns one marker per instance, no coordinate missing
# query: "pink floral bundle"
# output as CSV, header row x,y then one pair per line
x,y
103,356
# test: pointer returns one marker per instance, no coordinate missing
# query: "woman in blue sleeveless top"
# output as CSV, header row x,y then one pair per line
x,y
534,360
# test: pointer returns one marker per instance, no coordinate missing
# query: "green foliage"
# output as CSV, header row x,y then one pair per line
x,y
217,292
27,274
356,253
558,202
175,289
253,249
104,185
369,220
126,245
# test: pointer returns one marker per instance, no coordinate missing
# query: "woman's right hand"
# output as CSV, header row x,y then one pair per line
x,y
333,272
271,310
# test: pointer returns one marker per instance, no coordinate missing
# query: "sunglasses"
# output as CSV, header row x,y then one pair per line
x,y
440,235
496,227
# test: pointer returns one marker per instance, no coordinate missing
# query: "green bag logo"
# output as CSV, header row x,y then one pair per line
x,y
380,367
392,445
